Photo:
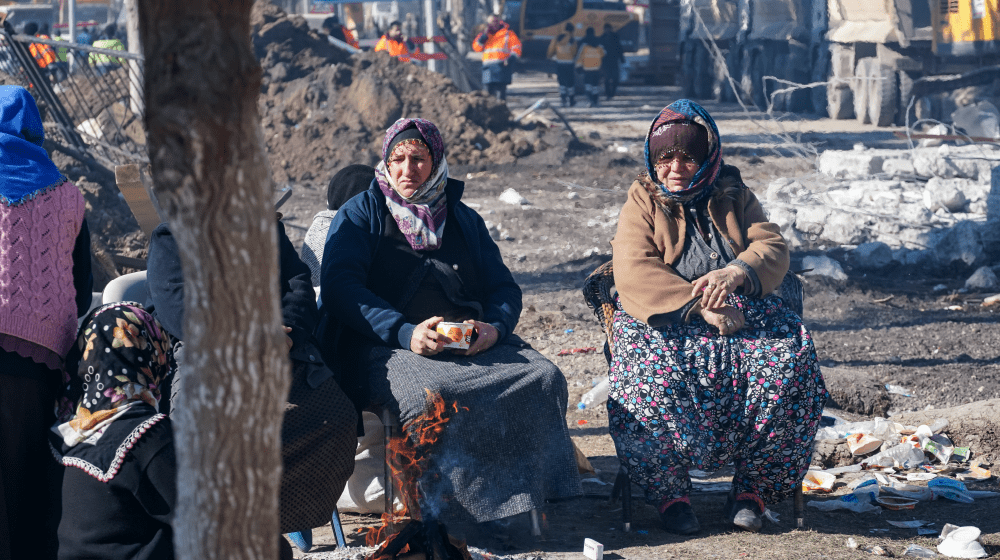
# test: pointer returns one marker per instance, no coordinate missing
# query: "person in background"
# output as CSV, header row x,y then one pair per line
x,y
501,48
45,284
562,49
44,54
103,63
589,59
85,36
120,485
708,366
614,57
318,435
339,31
394,43
348,182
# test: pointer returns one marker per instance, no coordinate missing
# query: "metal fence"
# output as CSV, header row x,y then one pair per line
x,y
90,98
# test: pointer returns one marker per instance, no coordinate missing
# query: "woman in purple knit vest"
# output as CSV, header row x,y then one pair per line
x,y
45,284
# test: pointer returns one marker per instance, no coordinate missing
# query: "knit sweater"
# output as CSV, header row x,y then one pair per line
x,y
37,294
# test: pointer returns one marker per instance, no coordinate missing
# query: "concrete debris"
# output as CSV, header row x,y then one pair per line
x,y
825,267
982,279
931,207
511,196
981,120
869,256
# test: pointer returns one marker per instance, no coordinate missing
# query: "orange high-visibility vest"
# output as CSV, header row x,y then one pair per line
x,y
394,48
590,57
349,37
44,54
499,47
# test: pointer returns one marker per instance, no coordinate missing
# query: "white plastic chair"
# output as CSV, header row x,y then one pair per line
x,y
128,287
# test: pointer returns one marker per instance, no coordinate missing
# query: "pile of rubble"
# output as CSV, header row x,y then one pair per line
x,y
930,207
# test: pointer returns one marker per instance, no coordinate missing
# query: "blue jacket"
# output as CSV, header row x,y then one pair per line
x,y
351,245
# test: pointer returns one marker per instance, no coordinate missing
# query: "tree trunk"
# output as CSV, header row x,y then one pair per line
x,y
212,179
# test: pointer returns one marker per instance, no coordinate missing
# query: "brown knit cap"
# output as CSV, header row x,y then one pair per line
x,y
684,136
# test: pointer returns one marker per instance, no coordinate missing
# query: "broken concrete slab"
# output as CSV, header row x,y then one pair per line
x,y
823,266
871,256
982,279
854,164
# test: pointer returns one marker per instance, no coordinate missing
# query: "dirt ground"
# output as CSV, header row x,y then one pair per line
x,y
940,345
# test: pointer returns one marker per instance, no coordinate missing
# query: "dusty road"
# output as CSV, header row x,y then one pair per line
x,y
943,356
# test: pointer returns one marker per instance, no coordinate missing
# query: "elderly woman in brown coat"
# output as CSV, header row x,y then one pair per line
x,y
708,367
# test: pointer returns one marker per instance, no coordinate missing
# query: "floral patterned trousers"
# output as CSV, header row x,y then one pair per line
x,y
684,397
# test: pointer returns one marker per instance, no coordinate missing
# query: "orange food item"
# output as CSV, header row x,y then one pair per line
x,y
455,334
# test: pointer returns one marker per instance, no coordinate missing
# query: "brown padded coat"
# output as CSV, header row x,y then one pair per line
x,y
650,239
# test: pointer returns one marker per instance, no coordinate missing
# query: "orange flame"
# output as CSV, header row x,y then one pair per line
x,y
407,455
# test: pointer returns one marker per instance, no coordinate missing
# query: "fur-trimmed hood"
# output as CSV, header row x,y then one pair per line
x,y
727,186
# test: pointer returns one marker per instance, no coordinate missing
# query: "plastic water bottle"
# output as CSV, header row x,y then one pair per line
x,y
597,395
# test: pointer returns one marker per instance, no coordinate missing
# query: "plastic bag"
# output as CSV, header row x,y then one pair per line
x,y
849,502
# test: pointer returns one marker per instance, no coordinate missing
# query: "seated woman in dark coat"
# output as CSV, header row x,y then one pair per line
x,y
708,366
318,435
405,255
120,487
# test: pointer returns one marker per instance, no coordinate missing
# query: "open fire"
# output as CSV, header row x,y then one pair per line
x,y
403,533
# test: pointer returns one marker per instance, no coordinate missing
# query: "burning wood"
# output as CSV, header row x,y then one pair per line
x,y
403,533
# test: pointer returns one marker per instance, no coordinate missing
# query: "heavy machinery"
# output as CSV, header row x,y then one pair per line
x,y
536,22
875,55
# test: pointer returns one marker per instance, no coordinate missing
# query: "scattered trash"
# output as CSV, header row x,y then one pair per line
x,y
851,543
939,288
849,502
983,494
593,549
903,456
961,454
951,489
926,531
992,300
862,444
896,503
961,542
897,390
569,351
918,551
599,394
876,550
915,524
568,331
920,477
975,473
642,532
595,481
818,481
581,422
770,515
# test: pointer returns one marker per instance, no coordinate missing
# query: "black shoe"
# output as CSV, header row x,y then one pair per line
x,y
679,518
744,514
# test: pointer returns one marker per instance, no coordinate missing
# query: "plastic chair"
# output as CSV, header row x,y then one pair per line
x,y
599,293
128,287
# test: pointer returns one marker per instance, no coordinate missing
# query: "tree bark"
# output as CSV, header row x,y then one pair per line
x,y
212,179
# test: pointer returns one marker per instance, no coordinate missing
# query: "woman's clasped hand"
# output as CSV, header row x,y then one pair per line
x,y
714,287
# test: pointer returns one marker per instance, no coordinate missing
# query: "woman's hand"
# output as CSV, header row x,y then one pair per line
x,y
288,339
716,285
488,336
425,340
727,319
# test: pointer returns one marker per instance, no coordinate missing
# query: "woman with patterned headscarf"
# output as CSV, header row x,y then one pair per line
x,y
120,486
45,284
708,367
405,255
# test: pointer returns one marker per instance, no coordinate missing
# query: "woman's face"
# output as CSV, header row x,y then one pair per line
x,y
675,170
410,166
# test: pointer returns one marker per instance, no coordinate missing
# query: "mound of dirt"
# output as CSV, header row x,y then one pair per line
x,y
321,110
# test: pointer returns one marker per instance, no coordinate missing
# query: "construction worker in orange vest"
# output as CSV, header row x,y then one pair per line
x,y
337,30
589,59
500,48
393,42
44,54
562,50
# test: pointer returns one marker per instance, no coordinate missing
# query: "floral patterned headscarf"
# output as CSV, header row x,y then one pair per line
x,y
123,357
421,217
685,110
